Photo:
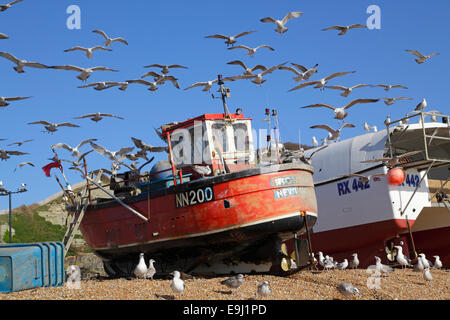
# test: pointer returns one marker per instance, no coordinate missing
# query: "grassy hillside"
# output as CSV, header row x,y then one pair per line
x,y
29,226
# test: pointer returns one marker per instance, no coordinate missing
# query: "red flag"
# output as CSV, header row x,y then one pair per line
x,y
50,166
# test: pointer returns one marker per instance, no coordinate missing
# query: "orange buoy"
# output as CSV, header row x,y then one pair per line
x,y
396,176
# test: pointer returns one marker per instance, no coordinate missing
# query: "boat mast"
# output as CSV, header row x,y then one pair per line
x,y
225,92
276,133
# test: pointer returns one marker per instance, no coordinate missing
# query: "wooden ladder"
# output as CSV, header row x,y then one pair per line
x,y
77,217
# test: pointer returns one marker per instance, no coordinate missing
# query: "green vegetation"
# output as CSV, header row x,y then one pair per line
x,y
29,226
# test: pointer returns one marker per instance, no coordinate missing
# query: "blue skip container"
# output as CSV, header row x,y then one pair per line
x,y
30,265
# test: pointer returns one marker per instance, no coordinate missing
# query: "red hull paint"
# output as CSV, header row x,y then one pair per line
x,y
366,240
434,242
251,200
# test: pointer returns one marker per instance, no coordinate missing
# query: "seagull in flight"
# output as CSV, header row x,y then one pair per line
x,y
388,87
20,64
340,113
281,23
3,100
334,133
343,29
110,40
257,78
304,75
364,178
75,150
368,128
20,165
89,51
112,155
4,7
230,40
85,72
208,84
20,143
252,51
153,86
52,127
143,146
77,162
322,82
98,116
422,58
4,154
165,68
3,36
395,160
102,85
248,71
390,101
347,91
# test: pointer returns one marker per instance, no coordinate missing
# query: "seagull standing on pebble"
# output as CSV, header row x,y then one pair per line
x,y
280,23
141,268
427,274
342,265
425,261
382,267
151,270
437,262
347,289
401,259
263,289
354,263
419,267
177,284
233,282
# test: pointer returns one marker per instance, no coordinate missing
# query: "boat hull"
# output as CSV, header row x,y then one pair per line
x,y
246,210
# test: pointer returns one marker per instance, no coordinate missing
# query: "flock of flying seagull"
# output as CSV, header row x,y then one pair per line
x,y
301,73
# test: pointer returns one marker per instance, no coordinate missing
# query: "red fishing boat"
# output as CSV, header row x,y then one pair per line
x,y
212,207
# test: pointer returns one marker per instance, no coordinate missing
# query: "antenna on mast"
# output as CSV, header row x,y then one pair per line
x,y
276,133
225,92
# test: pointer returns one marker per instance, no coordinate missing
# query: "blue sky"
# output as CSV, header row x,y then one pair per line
x,y
172,32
